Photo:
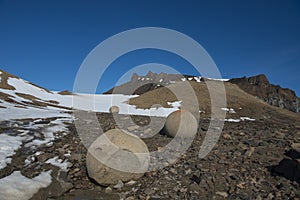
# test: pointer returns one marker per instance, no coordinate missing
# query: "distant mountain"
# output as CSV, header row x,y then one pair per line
x,y
259,86
141,84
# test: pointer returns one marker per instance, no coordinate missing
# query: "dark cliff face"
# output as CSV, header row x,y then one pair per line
x,y
260,87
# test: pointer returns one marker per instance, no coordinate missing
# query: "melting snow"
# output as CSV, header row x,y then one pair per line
x,y
18,187
174,104
59,163
232,120
8,145
216,79
197,79
247,118
241,119
229,110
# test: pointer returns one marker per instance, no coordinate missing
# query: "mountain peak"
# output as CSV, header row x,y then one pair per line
x,y
260,79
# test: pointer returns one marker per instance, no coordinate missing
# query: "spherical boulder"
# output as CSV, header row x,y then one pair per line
x,y
114,109
181,123
117,155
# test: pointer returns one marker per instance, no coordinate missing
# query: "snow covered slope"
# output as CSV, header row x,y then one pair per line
x,y
22,99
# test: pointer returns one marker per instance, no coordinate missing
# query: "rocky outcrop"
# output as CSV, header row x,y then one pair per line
x,y
260,87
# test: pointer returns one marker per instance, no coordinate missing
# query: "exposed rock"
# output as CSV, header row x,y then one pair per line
x,y
119,185
260,87
222,194
117,155
288,168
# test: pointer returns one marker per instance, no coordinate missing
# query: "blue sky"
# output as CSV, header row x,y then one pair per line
x,y
45,42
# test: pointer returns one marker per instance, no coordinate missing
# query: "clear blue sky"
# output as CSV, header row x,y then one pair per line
x,y
45,42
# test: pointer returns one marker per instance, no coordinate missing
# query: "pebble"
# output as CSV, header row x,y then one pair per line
x,y
119,185
226,136
222,194
132,182
132,128
108,189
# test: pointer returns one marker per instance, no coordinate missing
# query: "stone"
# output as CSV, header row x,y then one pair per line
x,y
108,189
119,185
114,109
43,157
222,194
250,151
117,155
226,136
181,123
296,147
132,128
129,183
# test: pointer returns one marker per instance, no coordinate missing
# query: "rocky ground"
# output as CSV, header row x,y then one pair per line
x,y
252,160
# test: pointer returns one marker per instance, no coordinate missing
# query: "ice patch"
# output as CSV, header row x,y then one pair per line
x,y
18,187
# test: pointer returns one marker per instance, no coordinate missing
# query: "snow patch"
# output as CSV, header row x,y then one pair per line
x,y
59,163
232,120
175,104
229,110
8,146
197,79
247,119
216,79
18,187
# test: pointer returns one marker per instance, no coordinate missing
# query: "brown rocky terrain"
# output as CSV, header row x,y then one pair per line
x,y
245,164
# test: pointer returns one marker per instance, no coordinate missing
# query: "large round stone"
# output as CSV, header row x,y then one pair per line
x,y
181,123
117,155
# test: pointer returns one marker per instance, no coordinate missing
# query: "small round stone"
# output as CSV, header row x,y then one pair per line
x,y
181,123
114,109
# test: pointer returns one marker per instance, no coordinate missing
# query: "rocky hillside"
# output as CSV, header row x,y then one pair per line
x,y
260,87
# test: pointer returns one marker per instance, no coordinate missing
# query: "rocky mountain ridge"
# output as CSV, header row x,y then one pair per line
x,y
258,86
275,95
